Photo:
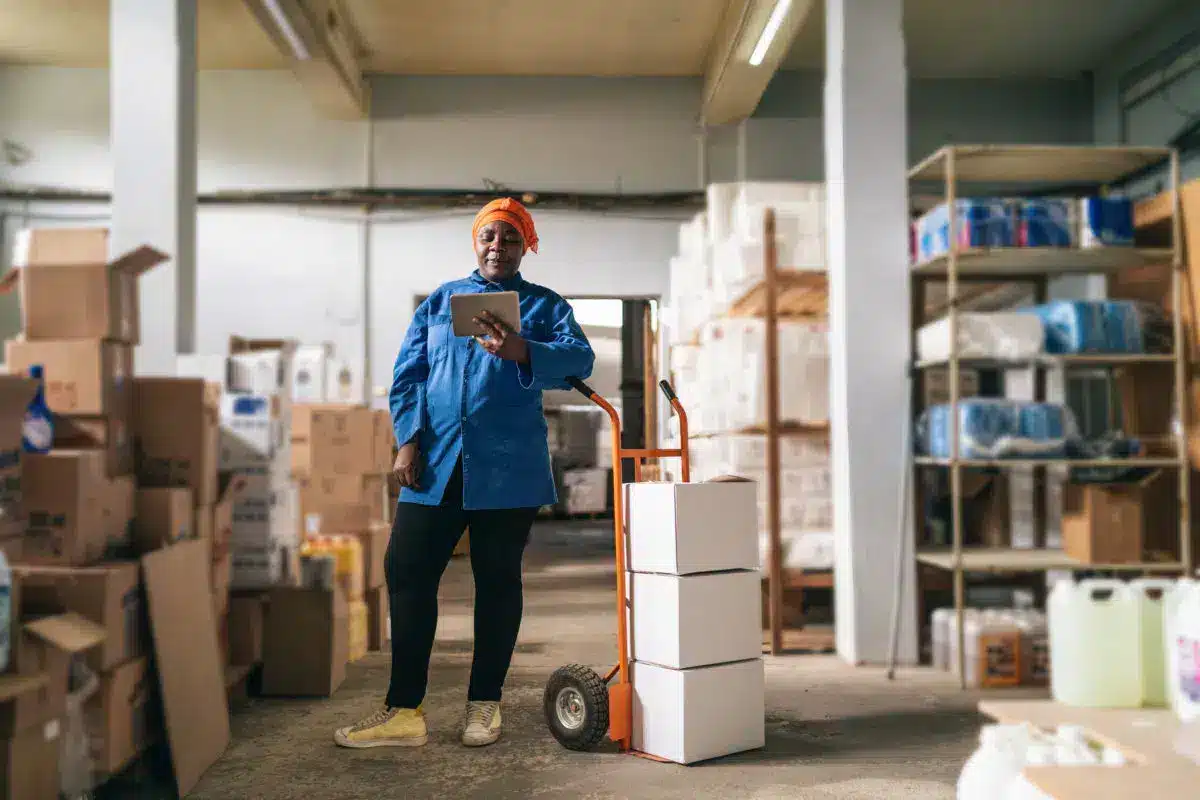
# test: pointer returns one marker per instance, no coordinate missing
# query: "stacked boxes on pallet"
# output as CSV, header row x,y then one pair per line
x,y
693,570
718,363
340,456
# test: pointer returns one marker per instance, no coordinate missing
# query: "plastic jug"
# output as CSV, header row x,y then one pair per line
x,y
1094,659
950,642
1038,754
1182,649
1151,594
5,612
940,625
1035,647
993,767
993,646
37,429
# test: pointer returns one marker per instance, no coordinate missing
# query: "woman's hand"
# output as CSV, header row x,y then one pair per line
x,y
501,340
407,467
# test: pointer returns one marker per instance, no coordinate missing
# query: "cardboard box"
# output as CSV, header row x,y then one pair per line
x,y
374,541
684,528
253,438
261,366
204,524
332,439
111,435
384,452
43,650
675,618
231,488
108,595
310,365
259,566
222,577
305,642
118,716
379,620
1120,523
693,715
245,627
84,377
191,676
119,509
15,395
264,512
29,763
337,519
176,435
70,289
65,493
164,517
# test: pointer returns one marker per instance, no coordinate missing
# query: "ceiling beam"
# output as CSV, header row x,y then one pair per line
x,y
732,85
324,49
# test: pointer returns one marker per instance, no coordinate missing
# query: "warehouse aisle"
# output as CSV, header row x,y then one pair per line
x,y
831,732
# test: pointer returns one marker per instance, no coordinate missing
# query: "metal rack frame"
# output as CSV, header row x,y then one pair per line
x,y
1075,168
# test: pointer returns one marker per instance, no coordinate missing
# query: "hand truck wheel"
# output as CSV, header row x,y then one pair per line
x,y
576,707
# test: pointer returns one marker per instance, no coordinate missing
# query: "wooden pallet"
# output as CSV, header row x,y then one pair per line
x,y
799,295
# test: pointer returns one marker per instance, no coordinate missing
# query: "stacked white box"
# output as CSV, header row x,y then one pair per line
x,y
696,633
255,443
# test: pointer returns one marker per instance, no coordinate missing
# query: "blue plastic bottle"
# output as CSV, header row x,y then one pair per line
x,y
37,432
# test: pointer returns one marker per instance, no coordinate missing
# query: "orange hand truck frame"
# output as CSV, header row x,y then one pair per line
x,y
580,706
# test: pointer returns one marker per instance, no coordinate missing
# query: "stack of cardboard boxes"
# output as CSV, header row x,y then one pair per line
x,y
255,423
340,456
78,696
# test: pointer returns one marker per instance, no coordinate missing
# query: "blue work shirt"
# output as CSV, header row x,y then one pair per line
x,y
457,399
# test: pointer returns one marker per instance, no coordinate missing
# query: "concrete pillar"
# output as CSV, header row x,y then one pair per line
x,y
866,171
152,96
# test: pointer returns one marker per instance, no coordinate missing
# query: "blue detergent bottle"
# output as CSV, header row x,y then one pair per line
x,y
37,431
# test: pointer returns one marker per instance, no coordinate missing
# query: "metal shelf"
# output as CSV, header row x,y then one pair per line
x,y
1035,560
1029,262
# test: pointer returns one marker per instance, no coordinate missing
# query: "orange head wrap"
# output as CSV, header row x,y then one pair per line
x,y
508,210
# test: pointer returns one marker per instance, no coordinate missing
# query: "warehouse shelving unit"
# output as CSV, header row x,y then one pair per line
x,y
1064,170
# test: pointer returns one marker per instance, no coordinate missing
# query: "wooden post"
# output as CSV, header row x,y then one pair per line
x,y
774,531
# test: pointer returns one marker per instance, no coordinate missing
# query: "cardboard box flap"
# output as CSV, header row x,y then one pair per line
x,y
241,344
60,247
14,686
139,261
68,632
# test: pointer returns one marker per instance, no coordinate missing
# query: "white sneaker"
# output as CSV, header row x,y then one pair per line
x,y
483,724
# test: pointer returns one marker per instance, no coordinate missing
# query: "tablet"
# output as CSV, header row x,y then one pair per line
x,y
504,306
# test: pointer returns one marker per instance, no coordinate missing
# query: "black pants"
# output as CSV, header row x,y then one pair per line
x,y
423,540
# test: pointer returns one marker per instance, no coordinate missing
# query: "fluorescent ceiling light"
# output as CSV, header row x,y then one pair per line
x,y
769,31
286,30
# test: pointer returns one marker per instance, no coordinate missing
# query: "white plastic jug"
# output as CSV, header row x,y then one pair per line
x,y
939,635
1035,648
1151,594
1094,659
1182,649
1038,754
997,762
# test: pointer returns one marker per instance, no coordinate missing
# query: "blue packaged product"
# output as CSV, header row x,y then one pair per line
x,y
980,222
1044,223
1073,326
1106,222
37,429
995,429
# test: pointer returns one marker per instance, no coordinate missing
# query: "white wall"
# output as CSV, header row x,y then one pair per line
x,y
299,272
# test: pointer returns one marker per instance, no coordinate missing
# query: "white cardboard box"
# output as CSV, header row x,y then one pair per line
x,y
310,378
213,368
686,528
696,620
693,715
252,435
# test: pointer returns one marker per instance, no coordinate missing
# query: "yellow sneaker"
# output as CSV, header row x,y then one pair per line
x,y
388,727
483,724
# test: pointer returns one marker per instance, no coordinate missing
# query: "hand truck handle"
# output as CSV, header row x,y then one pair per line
x,y
581,387
667,391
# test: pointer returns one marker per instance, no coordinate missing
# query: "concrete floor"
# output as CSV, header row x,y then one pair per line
x,y
832,731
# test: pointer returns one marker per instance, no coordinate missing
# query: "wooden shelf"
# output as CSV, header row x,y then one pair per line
x,y
821,429
1000,463
1028,262
800,294
1040,560
1073,361
1145,736
1039,164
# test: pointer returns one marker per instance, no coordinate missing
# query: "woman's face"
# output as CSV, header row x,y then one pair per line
x,y
498,250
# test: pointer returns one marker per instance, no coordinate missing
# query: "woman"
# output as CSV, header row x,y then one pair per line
x,y
473,452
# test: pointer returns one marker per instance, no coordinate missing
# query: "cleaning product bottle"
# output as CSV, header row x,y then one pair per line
x,y
992,768
37,430
5,612
1182,644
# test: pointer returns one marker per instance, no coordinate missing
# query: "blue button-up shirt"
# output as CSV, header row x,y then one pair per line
x,y
455,398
